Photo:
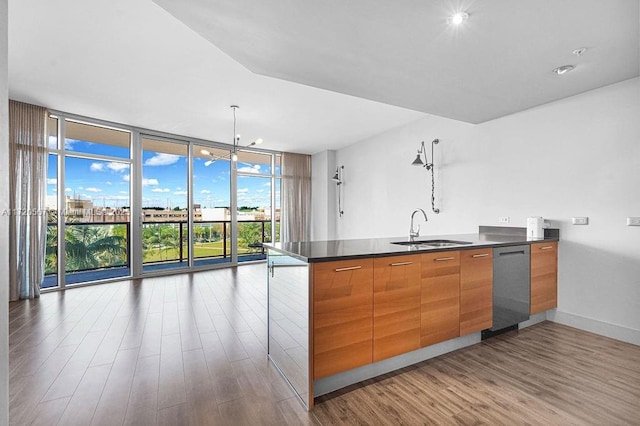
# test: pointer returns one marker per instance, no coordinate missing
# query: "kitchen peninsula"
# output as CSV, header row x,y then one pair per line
x,y
343,311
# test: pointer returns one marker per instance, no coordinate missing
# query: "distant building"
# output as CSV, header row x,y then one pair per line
x,y
81,210
215,214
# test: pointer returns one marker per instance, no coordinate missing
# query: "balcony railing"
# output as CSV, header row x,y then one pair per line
x,y
99,246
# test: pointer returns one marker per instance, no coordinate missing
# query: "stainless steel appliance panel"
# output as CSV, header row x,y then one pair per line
x,y
511,286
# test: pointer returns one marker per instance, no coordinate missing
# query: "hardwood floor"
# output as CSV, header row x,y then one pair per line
x,y
191,349
547,374
184,349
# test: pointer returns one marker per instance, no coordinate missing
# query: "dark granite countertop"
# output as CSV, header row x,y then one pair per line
x,y
325,251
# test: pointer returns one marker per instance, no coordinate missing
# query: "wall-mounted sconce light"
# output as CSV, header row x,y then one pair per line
x,y
337,178
429,166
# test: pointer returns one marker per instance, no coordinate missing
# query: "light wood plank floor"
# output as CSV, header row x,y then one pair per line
x,y
190,349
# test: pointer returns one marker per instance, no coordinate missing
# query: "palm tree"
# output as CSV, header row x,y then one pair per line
x,y
51,251
91,247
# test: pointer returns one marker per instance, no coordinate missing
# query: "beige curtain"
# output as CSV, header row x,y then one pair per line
x,y
28,220
295,197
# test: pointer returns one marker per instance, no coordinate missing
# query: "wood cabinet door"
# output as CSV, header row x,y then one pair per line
x,y
440,297
544,277
396,305
342,316
476,290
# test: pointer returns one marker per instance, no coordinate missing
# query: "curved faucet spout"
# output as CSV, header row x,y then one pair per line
x,y
416,233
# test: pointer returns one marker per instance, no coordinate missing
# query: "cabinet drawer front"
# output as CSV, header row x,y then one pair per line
x,y
396,273
342,315
440,263
336,282
396,306
538,248
476,268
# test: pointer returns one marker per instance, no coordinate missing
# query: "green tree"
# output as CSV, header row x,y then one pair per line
x,y
249,232
51,251
91,247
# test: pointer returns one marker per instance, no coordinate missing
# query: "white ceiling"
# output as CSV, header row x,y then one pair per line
x,y
404,52
130,61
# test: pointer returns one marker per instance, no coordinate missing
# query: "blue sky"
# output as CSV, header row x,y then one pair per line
x,y
165,183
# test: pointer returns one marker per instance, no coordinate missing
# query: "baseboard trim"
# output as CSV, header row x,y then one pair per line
x,y
606,329
533,320
338,381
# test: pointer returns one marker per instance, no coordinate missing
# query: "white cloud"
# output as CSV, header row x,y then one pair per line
x,y
250,169
96,167
266,184
93,189
180,193
259,190
160,190
145,181
52,181
108,183
68,190
162,159
118,167
68,144
205,191
243,190
123,192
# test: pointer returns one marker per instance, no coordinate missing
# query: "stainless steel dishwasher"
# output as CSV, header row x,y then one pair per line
x,y
511,288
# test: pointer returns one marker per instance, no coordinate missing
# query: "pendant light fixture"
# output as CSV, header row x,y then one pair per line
x,y
236,137
233,155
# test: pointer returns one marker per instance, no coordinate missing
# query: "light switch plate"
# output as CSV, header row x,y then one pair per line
x,y
633,221
503,219
580,220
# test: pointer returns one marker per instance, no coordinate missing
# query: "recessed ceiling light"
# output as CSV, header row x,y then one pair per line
x,y
580,51
563,69
458,18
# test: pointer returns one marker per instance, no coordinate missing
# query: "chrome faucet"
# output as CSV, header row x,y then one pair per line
x,y
416,233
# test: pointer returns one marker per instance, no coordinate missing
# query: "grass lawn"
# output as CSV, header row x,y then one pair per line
x,y
200,250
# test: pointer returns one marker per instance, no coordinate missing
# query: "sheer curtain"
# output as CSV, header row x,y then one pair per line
x,y
295,197
28,221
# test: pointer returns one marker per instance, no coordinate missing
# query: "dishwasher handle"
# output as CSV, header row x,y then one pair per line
x,y
511,253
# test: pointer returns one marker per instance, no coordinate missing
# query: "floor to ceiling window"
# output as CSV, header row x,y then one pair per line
x,y
88,201
211,205
98,174
165,204
258,203
51,249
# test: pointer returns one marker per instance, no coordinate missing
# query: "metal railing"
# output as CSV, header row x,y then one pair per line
x,y
169,239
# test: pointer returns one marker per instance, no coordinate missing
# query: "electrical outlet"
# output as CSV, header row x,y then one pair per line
x,y
503,219
633,221
580,220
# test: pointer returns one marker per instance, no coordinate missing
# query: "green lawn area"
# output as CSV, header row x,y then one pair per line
x,y
200,250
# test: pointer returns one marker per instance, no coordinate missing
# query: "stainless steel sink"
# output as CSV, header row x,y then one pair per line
x,y
432,243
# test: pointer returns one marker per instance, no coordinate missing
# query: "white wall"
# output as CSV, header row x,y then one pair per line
x,y
4,220
576,157
323,165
